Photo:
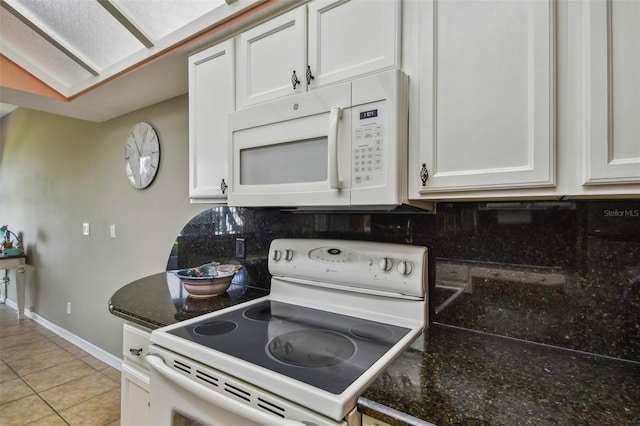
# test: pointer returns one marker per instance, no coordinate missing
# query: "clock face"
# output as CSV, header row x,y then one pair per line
x,y
141,155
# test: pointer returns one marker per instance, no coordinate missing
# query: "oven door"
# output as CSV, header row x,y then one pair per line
x,y
186,393
293,152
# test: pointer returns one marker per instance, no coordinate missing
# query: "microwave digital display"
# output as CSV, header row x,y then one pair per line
x,y
368,114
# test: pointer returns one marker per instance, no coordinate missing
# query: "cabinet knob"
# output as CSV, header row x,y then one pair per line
x,y
309,75
424,174
294,80
223,186
136,352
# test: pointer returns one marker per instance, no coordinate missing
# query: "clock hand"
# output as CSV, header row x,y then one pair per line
x,y
144,135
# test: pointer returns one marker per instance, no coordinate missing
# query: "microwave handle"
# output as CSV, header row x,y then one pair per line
x,y
334,175
245,411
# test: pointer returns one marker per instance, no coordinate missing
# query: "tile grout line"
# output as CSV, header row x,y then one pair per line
x,y
77,356
35,392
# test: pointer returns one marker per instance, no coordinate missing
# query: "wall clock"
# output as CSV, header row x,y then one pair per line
x,y
141,155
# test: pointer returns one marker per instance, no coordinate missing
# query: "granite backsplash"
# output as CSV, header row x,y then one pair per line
x,y
563,273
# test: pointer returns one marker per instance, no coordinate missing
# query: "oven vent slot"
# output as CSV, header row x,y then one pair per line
x,y
271,407
207,378
237,392
181,366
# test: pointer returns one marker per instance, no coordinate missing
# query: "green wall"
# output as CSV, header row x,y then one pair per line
x,y
58,172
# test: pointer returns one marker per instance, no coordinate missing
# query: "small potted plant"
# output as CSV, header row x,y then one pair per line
x,y
10,243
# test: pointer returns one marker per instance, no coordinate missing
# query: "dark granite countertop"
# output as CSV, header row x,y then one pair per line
x,y
160,299
449,376
459,377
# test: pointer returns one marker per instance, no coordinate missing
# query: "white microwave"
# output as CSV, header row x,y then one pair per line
x,y
343,145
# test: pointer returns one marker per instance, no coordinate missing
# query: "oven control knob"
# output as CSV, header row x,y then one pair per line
x,y
276,255
288,254
385,264
405,267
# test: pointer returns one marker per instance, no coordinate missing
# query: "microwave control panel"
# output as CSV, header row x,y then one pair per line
x,y
368,144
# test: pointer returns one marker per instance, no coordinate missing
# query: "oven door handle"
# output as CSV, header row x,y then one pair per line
x,y
245,411
334,174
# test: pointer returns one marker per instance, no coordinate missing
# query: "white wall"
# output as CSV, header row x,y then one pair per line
x,y
58,172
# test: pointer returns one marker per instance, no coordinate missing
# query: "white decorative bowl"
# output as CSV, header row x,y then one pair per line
x,y
208,286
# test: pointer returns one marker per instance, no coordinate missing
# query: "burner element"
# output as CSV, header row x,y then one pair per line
x,y
214,328
268,312
311,348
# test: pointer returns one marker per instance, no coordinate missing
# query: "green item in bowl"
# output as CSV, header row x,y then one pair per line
x,y
207,271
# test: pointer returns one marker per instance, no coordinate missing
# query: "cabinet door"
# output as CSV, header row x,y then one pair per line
x,y
612,102
370,421
351,38
134,397
486,96
268,55
211,98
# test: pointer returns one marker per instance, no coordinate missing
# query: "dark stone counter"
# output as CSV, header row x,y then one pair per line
x,y
449,376
160,299
461,377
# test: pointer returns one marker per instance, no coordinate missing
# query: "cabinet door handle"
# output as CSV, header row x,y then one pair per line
x,y
424,174
223,186
294,80
309,75
135,352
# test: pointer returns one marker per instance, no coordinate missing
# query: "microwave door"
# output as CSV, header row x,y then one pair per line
x,y
303,161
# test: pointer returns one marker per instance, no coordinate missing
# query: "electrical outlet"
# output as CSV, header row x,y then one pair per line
x,y
85,228
69,308
113,230
241,249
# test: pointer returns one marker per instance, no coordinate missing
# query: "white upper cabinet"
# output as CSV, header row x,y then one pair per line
x,y
352,38
611,101
211,98
268,57
486,98
320,43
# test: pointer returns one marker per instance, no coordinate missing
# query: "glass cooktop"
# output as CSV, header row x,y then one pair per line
x,y
326,350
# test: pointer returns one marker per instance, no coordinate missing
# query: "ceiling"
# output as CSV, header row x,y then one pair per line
x,y
107,57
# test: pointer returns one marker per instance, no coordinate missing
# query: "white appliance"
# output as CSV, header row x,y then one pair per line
x,y
340,145
338,313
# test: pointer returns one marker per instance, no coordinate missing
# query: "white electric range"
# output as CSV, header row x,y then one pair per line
x,y
338,313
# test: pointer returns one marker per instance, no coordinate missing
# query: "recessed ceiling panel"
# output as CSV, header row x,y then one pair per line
x,y
84,27
161,18
35,54
85,49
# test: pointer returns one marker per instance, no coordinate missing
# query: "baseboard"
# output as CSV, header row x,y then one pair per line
x,y
10,303
86,346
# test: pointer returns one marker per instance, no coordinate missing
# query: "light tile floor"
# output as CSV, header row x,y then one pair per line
x,y
45,380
